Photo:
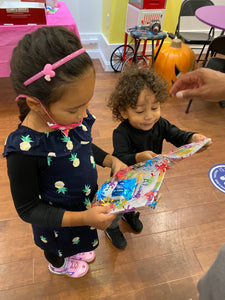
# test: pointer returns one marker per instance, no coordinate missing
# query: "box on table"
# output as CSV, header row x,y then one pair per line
x,y
136,16
40,1
22,13
148,4
52,3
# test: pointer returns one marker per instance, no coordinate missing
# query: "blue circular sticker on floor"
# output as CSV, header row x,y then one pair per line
x,y
217,177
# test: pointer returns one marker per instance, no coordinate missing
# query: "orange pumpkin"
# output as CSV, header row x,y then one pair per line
x,y
173,60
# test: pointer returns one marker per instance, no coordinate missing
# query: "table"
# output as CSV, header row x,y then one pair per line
x,y
11,34
213,15
141,32
145,35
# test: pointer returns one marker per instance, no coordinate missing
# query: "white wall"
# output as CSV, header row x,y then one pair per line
x,y
192,22
87,15
219,2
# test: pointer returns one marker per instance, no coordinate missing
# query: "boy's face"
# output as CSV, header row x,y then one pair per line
x,y
146,113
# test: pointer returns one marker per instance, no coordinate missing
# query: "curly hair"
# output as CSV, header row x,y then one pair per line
x,y
129,86
33,52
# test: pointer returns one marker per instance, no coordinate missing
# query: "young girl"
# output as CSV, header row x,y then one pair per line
x,y
50,157
136,103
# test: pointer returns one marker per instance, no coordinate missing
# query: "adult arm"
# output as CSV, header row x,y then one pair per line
x,y
203,83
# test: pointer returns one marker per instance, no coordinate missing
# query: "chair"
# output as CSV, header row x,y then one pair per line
x,y
188,8
217,46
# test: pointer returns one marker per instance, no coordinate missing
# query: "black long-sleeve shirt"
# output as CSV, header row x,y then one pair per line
x,y
127,140
23,172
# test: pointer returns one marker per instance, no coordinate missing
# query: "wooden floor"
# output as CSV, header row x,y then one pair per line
x,y
180,239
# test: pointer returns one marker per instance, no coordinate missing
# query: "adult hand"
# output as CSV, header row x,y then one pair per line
x,y
202,83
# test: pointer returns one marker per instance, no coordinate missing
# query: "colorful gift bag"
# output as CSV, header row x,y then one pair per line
x,y
138,185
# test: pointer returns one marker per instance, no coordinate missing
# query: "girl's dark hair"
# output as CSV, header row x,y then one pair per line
x,y
129,86
33,52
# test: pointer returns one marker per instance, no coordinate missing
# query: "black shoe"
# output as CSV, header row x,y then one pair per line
x,y
222,103
116,237
132,219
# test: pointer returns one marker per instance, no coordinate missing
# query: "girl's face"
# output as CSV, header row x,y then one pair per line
x,y
71,107
146,113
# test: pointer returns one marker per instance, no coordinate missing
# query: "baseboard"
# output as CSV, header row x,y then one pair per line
x,y
99,48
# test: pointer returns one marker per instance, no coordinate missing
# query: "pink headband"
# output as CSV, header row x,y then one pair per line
x,y
48,72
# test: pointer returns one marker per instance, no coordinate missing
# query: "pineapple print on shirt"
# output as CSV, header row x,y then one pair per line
x,y
25,145
95,243
44,240
60,187
49,158
84,142
75,160
87,203
92,161
76,240
69,143
87,190
84,128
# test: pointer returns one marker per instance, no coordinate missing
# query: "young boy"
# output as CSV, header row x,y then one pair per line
x,y
136,103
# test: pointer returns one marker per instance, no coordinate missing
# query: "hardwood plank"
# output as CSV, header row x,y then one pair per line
x,y
207,255
16,274
7,208
15,226
204,235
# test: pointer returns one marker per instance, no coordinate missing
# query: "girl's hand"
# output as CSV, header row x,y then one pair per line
x,y
117,165
98,217
114,163
145,155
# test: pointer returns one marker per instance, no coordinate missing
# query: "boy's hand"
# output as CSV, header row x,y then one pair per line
x,y
195,138
145,155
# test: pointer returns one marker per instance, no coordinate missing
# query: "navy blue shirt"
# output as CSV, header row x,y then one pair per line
x,y
50,173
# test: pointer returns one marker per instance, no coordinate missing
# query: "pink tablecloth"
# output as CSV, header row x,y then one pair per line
x,y
11,34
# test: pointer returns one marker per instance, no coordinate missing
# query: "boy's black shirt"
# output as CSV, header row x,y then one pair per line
x,y
128,141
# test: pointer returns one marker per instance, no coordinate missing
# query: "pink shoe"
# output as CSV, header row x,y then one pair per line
x,y
84,256
72,268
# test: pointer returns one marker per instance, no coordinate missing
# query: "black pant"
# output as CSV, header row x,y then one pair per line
x,y
54,259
